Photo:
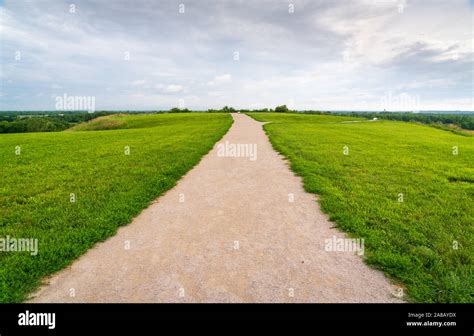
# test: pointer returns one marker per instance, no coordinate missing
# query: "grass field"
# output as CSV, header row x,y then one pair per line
x,y
110,187
400,188
127,121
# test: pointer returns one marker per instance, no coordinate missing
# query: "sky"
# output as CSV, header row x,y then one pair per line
x,y
310,55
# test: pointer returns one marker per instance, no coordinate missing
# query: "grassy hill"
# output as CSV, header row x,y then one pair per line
x,y
129,121
399,187
109,187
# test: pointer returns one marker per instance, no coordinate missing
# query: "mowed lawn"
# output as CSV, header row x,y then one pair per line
x,y
110,187
400,188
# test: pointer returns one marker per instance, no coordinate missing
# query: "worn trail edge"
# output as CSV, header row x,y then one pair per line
x,y
227,232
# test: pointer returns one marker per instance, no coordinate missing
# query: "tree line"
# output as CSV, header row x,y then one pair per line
x,y
465,121
54,121
24,122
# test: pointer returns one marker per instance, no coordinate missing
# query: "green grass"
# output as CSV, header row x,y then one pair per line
x,y
412,241
111,187
127,121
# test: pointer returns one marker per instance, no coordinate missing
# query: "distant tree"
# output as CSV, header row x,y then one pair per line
x,y
261,110
178,110
227,109
282,109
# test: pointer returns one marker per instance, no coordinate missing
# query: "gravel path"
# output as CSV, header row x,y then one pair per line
x,y
234,229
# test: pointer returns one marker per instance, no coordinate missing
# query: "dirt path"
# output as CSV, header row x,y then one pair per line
x,y
228,232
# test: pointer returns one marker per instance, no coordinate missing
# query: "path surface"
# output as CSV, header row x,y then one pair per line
x,y
226,233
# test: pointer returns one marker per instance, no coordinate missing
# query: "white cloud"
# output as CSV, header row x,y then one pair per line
x,y
173,88
222,79
327,55
139,82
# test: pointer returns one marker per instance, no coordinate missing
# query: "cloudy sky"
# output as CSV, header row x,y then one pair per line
x,y
200,54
